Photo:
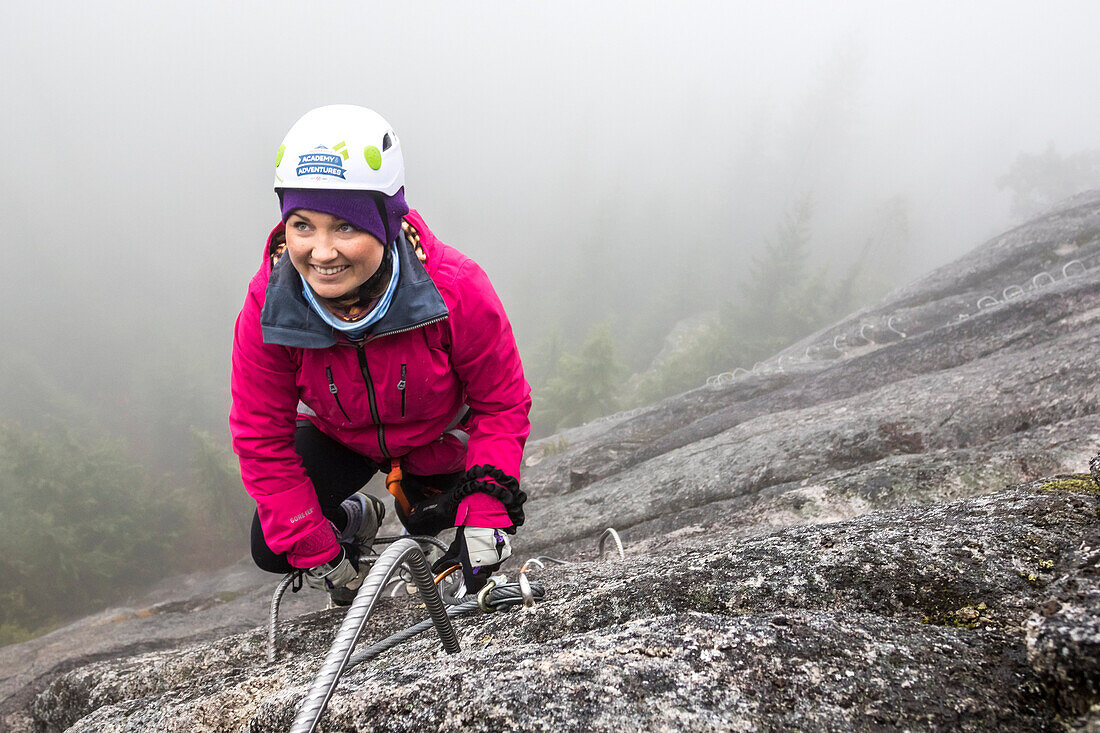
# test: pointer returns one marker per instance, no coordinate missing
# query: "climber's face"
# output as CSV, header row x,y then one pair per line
x,y
333,255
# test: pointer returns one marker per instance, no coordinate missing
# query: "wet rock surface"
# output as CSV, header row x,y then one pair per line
x,y
179,612
915,617
873,531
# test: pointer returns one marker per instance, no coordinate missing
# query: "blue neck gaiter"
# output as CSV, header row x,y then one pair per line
x,y
356,329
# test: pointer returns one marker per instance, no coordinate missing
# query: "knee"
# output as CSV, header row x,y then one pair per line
x,y
263,555
267,560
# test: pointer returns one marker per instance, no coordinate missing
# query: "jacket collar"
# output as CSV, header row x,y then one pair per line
x,y
288,320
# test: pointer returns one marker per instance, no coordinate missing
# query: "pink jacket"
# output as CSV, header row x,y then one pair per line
x,y
445,342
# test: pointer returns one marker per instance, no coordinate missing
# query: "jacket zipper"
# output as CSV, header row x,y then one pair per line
x,y
359,345
371,400
409,328
335,392
401,389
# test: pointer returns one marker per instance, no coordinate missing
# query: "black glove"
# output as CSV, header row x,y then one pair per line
x,y
480,551
435,512
431,516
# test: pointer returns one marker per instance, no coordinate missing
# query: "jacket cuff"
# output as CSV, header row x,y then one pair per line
x,y
316,548
482,510
486,479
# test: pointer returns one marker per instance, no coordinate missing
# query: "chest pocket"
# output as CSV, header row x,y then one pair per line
x,y
327,388
334,390
425,382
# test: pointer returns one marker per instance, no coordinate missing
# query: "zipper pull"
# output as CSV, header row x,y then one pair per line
x,y
331,382
401,384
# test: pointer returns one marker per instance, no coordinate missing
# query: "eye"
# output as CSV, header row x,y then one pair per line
x,y
346,228
300,226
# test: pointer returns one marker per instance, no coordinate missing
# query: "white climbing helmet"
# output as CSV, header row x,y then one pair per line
x,y
341,146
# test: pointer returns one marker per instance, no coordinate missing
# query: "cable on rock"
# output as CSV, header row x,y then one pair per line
x,y
402,550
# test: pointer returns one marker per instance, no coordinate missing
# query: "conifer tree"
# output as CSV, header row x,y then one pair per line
x,y
585,384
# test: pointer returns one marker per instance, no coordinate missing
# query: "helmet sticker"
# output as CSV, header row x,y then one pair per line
x,y
322,161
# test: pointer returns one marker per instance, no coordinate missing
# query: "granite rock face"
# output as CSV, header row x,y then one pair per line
x,y
936,616
887,526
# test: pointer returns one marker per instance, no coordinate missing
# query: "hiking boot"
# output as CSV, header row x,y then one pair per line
x,y
365,514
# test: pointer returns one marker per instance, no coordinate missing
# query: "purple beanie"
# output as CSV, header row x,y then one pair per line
x,y
364,209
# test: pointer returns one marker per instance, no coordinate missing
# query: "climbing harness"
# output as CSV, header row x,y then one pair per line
x,y
407,555
393,485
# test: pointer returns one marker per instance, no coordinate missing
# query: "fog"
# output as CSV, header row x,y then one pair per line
x,y
605,162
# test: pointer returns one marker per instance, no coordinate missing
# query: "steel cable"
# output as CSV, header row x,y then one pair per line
x,y
610,532
280,591
419,538
275,601
402,550
501,596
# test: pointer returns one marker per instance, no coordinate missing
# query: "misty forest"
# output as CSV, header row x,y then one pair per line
x,y
660,196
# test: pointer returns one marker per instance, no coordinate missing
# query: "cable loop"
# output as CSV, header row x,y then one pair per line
x,y
526,592
1079,263
1073,268
313,705
530,561
483,598
1035,285
610,532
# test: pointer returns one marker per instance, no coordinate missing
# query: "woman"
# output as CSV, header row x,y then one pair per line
x,y
366,344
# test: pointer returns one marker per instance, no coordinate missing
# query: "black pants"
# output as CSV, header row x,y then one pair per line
x,y
337,472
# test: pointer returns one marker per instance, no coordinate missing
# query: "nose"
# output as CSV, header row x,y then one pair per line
x,y
324,248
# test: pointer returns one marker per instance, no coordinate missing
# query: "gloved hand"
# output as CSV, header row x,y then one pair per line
x,y
480,551
341,577
430,516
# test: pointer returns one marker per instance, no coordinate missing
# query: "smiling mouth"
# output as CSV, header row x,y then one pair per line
x,y
329,270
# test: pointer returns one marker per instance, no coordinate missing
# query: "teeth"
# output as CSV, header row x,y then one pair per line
x,y
330,270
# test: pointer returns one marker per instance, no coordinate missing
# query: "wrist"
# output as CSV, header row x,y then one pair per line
x,y
482,510
489,479
317,547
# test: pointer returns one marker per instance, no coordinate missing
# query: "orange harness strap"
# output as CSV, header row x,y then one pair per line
x,y
393,485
